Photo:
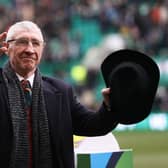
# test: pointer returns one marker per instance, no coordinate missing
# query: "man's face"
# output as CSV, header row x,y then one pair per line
x,y
25,51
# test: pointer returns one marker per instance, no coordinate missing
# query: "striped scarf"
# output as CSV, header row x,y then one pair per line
x,y
42,156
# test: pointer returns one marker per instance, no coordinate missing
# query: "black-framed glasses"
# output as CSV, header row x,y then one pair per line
x,y
24,42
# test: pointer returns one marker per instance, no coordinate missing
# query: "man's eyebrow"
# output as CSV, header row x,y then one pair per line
x,y
35,39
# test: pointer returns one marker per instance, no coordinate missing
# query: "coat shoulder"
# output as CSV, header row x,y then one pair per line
x,y
55,82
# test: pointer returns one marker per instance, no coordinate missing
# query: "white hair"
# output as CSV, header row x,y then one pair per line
x,y
23,25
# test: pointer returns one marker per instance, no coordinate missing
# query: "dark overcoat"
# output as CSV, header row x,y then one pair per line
x,y
66,117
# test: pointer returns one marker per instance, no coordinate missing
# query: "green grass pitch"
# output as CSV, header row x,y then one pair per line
x,y
150,148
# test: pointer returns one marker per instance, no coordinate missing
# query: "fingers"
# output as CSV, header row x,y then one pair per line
x,y
3,36
3,49
106,90
106,93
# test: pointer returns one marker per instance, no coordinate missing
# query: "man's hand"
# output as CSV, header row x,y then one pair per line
x,y
3,47
106,92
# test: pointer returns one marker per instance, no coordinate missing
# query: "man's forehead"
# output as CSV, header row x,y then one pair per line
x,y
34,34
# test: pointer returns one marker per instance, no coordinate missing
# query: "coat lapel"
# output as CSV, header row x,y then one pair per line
x,y
53,101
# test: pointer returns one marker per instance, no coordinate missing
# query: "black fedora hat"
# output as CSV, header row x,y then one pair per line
x,y
133,79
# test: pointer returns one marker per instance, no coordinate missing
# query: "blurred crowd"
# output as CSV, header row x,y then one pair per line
x,y
136,24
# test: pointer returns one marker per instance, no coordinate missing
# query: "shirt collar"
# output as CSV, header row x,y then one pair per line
x,y
30,78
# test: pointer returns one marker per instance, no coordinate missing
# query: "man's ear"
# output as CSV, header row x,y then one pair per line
x,y
5,45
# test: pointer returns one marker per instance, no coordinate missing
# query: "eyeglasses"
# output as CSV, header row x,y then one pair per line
x,y
24,42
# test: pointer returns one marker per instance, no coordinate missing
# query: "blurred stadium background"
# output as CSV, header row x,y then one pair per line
x,y
80,34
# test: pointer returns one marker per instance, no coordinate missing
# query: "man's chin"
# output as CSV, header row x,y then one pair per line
x,y
28,68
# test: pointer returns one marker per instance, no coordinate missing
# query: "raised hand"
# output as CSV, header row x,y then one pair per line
x,y
3,47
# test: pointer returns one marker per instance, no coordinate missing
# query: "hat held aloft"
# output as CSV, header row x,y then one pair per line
x,y
133,79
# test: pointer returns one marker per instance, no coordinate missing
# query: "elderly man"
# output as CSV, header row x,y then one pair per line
x,y
39,114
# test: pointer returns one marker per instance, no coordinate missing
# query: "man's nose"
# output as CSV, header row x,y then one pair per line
x,y
29,47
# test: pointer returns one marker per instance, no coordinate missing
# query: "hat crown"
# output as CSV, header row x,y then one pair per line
x,y
128,74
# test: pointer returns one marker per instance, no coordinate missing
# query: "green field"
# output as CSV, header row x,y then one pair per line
x,y
150,148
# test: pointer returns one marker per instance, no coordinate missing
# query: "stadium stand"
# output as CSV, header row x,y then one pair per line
x,y
71,28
